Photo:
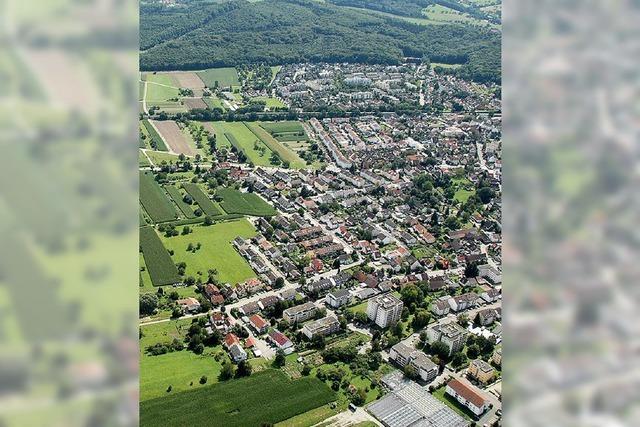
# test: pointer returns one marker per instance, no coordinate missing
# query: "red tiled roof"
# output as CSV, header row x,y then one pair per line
x,y
467,392
258,321
279,337
231,339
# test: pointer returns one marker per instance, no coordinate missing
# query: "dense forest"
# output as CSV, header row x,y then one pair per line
x,y
197,35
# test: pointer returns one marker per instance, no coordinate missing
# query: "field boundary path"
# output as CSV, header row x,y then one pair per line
x,y
144,98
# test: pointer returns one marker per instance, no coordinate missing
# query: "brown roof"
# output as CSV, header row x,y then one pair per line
x,y
467,392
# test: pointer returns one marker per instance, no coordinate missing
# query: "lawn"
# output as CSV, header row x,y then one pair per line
x,y
236,202
271,103
464,189
214,102
177,369
157,157
360,308
264,398
154,200
216,251
285,154
160,266
224,77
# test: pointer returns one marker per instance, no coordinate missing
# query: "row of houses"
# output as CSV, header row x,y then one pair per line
x,y
404,355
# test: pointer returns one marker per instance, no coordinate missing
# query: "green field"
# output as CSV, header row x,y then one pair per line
x,y
216,251
266,397
224,77
236,202
439,13
160,266
160,87
177,198
207,206
177,369
240,136
214,102
154,135
157,157
274,145
464,189
154,200
270,102
288,131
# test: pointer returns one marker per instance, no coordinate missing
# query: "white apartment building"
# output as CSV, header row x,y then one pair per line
x,y
384,310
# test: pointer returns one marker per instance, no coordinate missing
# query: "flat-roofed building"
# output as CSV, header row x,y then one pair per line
x,y
321,327
300,313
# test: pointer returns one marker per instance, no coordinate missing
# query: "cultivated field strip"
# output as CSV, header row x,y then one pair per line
x,y
154,200
177,198
207,206
161,268
174,138
264,398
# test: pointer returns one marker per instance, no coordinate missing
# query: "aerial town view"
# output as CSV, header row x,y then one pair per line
x,y
320,238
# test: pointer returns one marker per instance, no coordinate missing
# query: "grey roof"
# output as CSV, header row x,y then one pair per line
x,y
340,293
413,406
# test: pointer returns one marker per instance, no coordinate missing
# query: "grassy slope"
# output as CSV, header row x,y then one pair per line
x,y
266,397
216,251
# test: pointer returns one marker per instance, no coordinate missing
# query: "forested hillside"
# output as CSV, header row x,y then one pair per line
x,y
196,35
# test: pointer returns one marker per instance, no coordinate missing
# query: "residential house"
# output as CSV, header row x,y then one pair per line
x,y
481,371
320,285
321,327
462,302
468,395
338,298
496,358
487,316
491,295
440,307
231,339
237,353
281,342
300,313
249,308
189,304
258,324
404,355
451,334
